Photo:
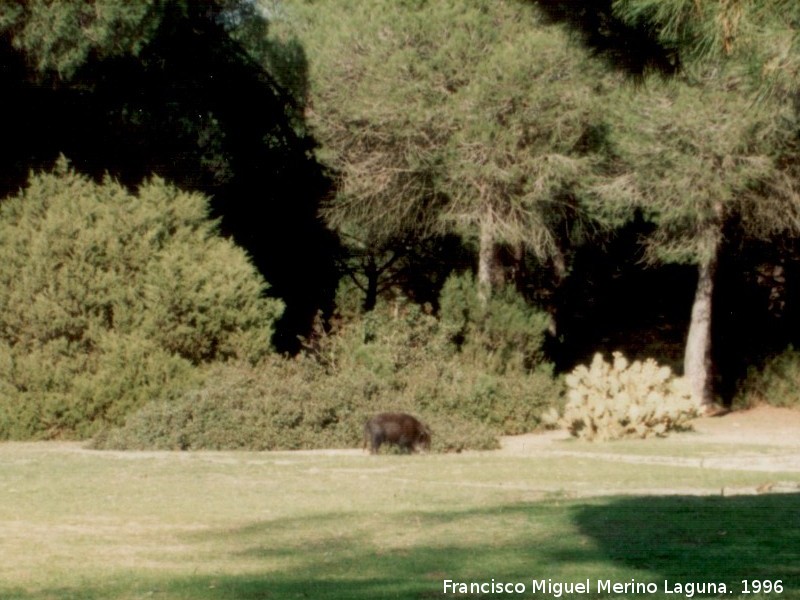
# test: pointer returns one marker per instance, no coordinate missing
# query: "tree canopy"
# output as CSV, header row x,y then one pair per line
x,y
483,128
761,35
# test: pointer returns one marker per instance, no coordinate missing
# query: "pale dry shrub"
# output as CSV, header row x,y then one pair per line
x,y
608,401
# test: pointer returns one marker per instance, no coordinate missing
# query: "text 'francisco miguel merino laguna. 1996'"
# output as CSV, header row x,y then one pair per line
x,y
556,589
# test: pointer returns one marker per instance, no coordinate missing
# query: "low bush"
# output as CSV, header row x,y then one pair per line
x,y
281,404
776,382
612,401
55,392
386,361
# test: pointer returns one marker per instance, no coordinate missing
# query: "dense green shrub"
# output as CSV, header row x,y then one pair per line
x,y
411,358
108,299
504,334
238,407
776,382
278,404
388,360
640,399
55,392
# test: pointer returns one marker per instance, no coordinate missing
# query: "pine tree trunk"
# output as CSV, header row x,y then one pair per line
x,y
698,360
560,272
371,295
487,256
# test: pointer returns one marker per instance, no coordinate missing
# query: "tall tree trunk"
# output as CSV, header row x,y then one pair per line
x,y
517,270
371,293
697,360
487,255
697,363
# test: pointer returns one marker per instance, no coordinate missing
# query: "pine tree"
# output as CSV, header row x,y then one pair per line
x,y
702,156
448,116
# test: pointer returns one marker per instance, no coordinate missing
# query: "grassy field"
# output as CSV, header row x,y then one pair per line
x,y
79,524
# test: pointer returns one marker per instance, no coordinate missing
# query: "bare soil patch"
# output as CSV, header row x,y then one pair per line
x,y
764,425
760,439
761,425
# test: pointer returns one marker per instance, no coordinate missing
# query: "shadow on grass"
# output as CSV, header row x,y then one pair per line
x,y
408,554
699,538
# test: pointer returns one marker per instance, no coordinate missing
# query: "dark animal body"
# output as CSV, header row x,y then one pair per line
x,y
399,429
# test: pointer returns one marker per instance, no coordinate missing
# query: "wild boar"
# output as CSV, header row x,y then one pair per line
x,y
399,429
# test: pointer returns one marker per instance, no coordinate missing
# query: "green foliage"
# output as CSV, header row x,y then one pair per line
x,y
519,146
181,89
776,382
376,112
431,112
504,334
612,401
238,407
388,360
61,36
281,404
56,391
697,155
756,36
108,298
